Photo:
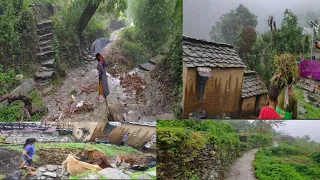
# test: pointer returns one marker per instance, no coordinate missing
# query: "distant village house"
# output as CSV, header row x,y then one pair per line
x,y
215,80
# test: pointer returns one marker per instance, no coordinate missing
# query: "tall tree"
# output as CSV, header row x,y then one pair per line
x,y
231,23
245,41
288,39
115,6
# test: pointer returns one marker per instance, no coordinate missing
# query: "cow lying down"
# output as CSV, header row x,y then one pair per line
x,y
74,166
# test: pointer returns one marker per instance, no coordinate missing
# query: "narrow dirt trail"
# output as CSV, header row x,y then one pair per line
x,y
242,168
122,101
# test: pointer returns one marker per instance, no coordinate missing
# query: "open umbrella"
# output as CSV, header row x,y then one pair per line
x,y
98,44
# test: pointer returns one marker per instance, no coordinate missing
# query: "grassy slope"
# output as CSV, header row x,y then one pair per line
x,y
111,151
312,111
273,167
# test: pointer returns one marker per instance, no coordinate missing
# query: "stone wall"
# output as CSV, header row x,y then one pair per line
x,y
20,137
207,164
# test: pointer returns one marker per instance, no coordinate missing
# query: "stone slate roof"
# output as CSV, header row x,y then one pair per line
x,y
252,85
202,53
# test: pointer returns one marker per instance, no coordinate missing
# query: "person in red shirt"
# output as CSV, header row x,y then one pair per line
x,y
269,112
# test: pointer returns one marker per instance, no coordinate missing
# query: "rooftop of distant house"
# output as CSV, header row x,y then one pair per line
x,y
202,53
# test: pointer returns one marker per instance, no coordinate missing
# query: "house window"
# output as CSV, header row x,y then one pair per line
x,y
201,85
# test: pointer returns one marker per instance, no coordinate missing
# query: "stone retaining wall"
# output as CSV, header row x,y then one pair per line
x,y
20,137
207,164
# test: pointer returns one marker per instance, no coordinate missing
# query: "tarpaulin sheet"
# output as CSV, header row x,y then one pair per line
x,y
310,67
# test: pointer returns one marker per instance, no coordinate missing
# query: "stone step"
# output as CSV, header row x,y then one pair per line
x,y
44,31
45,48
43,68
147,66
157,59
45,43
48,63
44,24
45,37
44,75
45,55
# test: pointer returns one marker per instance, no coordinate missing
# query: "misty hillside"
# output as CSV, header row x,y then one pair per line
x,y
198,18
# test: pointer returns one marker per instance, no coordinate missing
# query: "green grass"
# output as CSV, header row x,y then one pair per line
x,y
135,175
312,111
111,151
275,163
1,176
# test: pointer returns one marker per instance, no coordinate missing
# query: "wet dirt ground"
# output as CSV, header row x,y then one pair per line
x,y
9,160
122,98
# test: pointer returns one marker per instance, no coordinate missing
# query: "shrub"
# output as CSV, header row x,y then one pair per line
x,y
7,80
316,156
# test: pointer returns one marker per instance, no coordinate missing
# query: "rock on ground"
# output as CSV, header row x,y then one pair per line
x,y
111,173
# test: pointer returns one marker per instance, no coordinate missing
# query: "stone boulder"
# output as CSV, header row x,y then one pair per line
x,y
111,173
25,87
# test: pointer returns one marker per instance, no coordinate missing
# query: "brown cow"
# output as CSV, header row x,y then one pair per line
x,y
97,157
126,159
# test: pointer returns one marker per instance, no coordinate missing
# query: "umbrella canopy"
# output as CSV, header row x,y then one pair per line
x,y
98,45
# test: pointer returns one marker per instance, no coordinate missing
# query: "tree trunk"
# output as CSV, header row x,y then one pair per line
x,y
86,15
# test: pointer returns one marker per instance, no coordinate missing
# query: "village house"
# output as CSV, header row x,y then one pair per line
x,y
214,80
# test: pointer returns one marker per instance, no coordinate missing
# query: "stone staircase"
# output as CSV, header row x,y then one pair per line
x,y
151,64
45,51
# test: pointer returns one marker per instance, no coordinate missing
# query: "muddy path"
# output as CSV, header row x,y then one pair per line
x,y
122,100
9,160
242,168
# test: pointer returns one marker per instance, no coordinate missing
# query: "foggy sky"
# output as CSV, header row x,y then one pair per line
x,y
301,128
200,15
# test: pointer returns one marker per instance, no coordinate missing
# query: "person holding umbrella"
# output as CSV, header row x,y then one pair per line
x,y
103,87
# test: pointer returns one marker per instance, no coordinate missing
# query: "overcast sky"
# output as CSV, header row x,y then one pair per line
x,y
200,15
301,128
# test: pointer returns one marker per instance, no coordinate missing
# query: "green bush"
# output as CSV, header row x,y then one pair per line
x,y
132,47
286,149
284,162
94,29
12,112
260,140
316,157
7,80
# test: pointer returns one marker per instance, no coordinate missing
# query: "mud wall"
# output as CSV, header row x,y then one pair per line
x,y
95,129
222,92
138,137
248,105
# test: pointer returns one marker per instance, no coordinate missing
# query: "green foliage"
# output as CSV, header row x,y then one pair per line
x,y
185,139
260,140
12,112
316,156
231,23
133,46
288,38
285,162
7,80
286,149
